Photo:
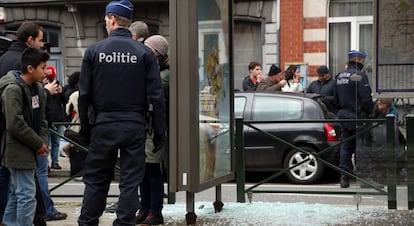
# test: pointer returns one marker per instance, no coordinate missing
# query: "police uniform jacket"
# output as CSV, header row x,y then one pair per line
x,y
117,76
353,97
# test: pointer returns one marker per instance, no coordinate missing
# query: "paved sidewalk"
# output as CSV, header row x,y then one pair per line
x,y
268,213
380,217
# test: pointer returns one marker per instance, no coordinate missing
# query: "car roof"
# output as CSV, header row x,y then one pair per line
x,y
279,94
310,99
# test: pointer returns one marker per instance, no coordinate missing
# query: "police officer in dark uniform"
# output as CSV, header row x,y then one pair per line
x,y
118,75
354,100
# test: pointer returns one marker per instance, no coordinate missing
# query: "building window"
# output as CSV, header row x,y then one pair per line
x,y
247,48
51,38
350,27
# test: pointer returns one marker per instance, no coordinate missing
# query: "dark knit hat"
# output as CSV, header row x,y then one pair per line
x,y
356,53
322,70
274,70
122,8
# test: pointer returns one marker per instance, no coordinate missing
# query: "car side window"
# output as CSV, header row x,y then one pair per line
x,y
239,105
277,108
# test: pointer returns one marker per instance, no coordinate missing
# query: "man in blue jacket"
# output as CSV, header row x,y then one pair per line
x,y
354,100
118,75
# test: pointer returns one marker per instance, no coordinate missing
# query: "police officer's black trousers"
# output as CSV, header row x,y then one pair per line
x,y
152,189
347,150
106,139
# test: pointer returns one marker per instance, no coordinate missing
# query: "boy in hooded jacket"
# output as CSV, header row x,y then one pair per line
x,y
23,105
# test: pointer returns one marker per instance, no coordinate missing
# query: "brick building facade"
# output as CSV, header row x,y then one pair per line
x,y
314,32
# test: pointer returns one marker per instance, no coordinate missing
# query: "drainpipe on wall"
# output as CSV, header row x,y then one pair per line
x,y
77,20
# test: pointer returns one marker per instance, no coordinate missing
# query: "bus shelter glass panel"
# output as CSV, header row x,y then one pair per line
x,y
214,89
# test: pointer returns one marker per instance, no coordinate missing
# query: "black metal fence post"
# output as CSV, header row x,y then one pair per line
x,y
392,164
240,169
410,161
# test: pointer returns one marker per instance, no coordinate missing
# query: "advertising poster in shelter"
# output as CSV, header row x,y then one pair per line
x,y
214,89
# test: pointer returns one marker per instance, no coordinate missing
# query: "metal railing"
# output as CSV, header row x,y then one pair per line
x,y
170,195
76,174
390,153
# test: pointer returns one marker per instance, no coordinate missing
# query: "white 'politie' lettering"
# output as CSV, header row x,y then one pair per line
x,y
118,57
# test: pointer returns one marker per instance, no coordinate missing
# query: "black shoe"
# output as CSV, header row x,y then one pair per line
x,y
57,217
56,166
153,219
344,181
140,217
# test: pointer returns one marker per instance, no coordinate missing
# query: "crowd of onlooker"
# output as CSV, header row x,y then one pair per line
x,y
348,95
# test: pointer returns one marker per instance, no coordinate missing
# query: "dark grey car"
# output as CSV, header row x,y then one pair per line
x,y
265,154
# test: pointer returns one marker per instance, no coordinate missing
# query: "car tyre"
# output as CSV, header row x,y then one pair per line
x,y
306,173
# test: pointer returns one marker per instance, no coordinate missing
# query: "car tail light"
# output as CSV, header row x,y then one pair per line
x,y
330,132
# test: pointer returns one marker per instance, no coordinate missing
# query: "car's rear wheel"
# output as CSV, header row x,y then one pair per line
x,y
306,173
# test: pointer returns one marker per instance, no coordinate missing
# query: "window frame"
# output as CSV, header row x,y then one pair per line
x,y
355,26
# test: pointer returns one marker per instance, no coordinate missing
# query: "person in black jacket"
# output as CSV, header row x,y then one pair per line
x,y
354,100
118,76
325,86
255,76
55,112
29,34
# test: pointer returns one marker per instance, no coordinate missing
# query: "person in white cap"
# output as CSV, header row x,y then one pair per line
x,y
118,77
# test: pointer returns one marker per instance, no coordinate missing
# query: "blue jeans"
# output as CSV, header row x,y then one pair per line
x,y
21,206
106,139
4,189
42,175
54,142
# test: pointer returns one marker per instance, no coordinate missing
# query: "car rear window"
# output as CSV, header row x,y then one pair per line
x,y
239,105
277,108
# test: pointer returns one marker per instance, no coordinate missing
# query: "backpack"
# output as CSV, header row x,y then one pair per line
x,y
2,124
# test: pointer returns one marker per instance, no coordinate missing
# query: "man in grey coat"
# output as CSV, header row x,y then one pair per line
x,y
274,81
